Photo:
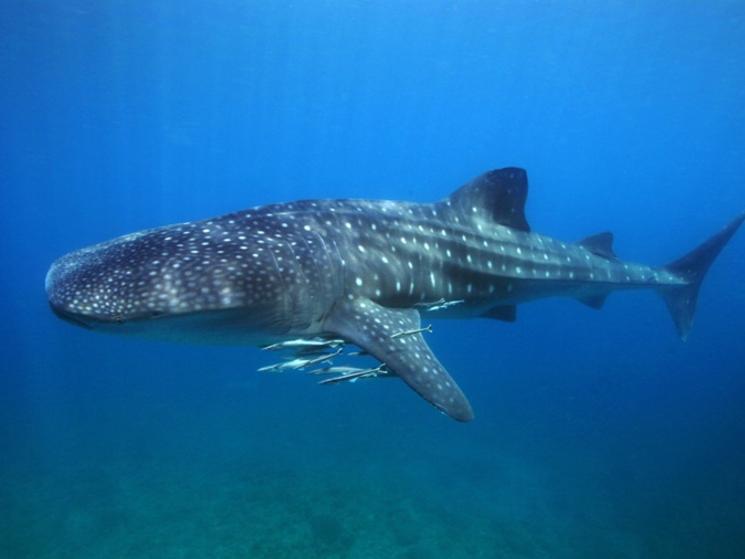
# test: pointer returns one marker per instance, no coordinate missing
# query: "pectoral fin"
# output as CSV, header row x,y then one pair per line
x,y
372,327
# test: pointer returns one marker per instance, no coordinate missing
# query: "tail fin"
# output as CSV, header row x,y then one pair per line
x,y
681,299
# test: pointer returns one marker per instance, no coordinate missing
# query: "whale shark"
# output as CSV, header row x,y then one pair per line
x,y
315,276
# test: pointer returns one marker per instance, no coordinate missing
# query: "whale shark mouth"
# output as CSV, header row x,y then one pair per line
x,y
72,318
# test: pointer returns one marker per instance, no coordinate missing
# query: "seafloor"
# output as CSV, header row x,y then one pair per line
x,y
121,462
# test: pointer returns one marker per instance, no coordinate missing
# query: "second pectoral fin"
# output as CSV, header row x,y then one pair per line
x,y
392,336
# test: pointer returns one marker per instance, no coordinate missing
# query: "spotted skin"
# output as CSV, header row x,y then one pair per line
x,y
358,269
373,327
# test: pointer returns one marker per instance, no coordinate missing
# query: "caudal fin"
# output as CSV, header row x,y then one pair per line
x,y
681,299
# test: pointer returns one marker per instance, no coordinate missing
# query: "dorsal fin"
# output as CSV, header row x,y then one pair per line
x,y
600,244
500,194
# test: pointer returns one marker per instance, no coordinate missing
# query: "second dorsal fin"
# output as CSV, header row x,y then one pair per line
x,y
500,195
600,244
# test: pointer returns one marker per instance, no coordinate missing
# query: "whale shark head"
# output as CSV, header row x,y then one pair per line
x,y
167,282
107,283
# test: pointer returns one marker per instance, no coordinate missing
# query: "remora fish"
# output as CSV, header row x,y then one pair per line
x,y
356,270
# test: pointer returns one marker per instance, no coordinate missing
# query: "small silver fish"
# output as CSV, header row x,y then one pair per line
x,y
352,377
339,370
303,343
413,332
445,305
429,304
299,363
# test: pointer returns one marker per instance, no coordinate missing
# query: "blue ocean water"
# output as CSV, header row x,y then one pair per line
x,y
597,434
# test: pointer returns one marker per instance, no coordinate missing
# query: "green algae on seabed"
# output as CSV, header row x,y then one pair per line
x,y
277,511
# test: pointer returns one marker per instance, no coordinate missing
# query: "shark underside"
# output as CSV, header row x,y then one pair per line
x,y
311,276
